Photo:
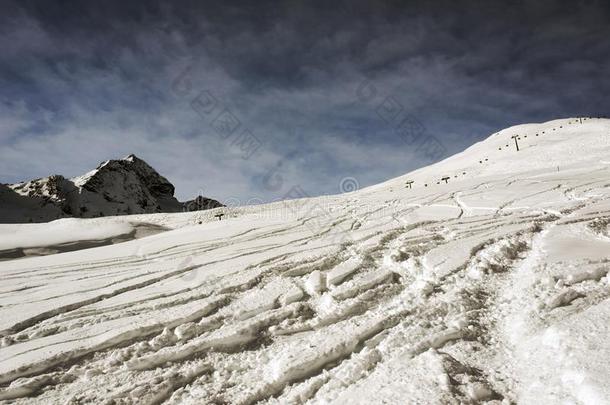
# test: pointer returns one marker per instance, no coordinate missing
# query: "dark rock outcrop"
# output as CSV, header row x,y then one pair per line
x,y
200,203
115,187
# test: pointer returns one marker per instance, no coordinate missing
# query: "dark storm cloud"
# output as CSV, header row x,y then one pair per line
x,y
87,81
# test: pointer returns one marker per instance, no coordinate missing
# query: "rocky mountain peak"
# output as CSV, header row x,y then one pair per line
x,y
108,173
116,187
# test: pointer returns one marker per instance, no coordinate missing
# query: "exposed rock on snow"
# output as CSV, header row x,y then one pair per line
x,y
200,203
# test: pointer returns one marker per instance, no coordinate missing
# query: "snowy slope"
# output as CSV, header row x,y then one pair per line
x,y
492,287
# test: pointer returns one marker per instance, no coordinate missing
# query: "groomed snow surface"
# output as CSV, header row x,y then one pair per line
x,y
492,288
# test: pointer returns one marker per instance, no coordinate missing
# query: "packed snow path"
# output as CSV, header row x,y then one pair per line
x,y
492,288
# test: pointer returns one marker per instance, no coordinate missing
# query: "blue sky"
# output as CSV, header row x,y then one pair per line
x,y
244,100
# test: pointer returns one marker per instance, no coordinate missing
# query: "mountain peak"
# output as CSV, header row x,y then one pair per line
x,y
131,157
115,187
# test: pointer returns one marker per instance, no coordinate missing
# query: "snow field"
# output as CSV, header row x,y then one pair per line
x,y
492,288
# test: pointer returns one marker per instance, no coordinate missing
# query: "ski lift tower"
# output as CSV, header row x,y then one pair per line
x,y
516,137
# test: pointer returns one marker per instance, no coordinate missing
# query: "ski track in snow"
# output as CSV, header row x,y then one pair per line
x,y
481,290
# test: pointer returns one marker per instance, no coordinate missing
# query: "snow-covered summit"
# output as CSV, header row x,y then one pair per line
x,y
561,143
